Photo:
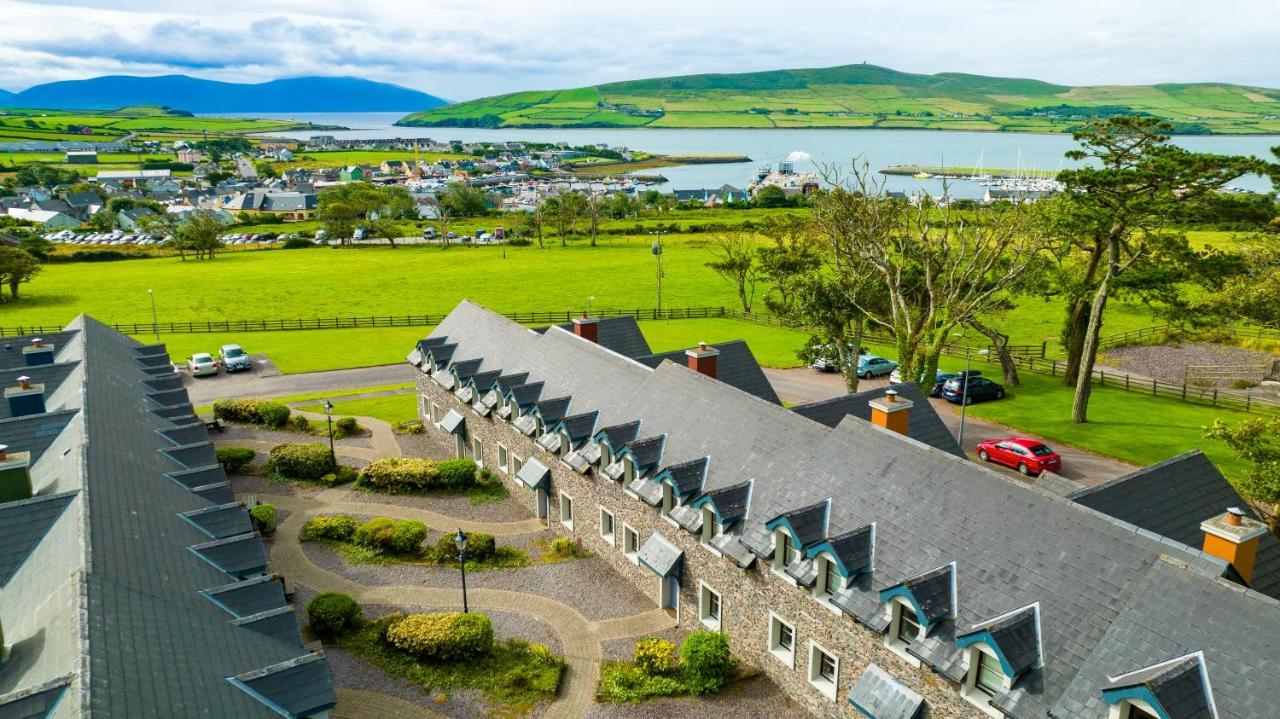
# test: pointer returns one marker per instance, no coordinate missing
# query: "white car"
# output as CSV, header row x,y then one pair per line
x,y
202,365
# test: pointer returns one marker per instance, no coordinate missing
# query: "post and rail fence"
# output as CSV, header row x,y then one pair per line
x,y
1031,357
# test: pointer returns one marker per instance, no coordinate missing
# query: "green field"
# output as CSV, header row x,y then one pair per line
x,y
865,96
310,160
108,125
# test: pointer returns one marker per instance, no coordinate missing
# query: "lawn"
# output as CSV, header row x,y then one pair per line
x,y
393,409
308,350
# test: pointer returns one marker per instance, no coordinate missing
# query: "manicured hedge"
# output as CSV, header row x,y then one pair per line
x,y
332,614
480,548
234,459
338,527
410,474
445,636
397,536
264,517
252,411
654,655
300,460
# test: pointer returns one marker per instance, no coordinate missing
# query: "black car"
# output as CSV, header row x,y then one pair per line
x,y
980,388
945,377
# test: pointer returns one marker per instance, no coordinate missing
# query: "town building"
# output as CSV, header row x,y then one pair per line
x,y
132,583
867,571
48,219
82,157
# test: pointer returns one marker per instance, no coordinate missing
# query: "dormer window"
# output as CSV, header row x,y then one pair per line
x,y
628,470
905,629
606,457
829,579
710,526
668,499
784,550
985,679
564,444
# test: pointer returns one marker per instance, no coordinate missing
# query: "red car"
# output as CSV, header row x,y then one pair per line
x,y
1028,456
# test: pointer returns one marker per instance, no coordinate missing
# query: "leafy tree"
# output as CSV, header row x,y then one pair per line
x,y
198,235
591,206
462,200
771,196
103,220
1134,178
1253,295
16,266
265,169
1256,440
390,206
379,210
44,174
620,206
736,262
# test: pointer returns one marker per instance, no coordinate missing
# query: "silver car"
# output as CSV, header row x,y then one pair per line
x,y
234,359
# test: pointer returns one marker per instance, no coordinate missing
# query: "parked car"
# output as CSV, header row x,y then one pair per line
x,y
429,233
202,364
980,388
499,233
1029,456
234,359
827,360
939,379
875,366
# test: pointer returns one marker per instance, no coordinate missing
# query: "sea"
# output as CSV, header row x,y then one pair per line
x,y
809,150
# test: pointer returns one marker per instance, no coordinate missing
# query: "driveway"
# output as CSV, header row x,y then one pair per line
x,y
801,384
260,383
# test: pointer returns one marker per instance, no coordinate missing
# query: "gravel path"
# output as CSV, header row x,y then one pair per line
x,y
1168,362
232,432
755,698
425,445
563,581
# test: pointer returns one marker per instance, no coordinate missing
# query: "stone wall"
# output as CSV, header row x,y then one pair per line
x,y
747,596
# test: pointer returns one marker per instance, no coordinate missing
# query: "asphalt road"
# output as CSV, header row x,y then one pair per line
x,y
802,384
797,386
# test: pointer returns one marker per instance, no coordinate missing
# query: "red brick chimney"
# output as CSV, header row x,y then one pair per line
x,y
1234,537
703,359
588,328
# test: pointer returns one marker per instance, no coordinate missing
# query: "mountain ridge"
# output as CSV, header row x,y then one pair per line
x,y
298,94
865,96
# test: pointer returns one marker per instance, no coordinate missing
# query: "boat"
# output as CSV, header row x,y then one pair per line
x,y
922,175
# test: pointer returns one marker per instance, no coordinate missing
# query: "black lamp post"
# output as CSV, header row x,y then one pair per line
x,y
328,413
460,541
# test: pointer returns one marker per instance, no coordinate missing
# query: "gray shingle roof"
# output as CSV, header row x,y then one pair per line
x,y
249,596
620,334
924,425
299,687
36,703
23,524
661,556
222,520
687,476
877,694
1172,498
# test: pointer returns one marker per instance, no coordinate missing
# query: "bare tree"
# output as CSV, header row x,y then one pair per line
x,y
938,271
736,261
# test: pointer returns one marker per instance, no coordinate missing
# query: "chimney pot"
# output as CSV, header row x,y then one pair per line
x,y
24,382
37,342
891,396
892,413
1235,516
4,452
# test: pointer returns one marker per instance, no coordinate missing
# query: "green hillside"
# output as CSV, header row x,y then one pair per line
x,y
865,96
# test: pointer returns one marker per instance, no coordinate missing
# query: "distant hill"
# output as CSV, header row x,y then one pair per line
x,y
865,96
301,94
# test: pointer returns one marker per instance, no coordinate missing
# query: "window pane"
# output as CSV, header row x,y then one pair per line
x,y
908,628
826,666
833,578
713,605
786,637
990,677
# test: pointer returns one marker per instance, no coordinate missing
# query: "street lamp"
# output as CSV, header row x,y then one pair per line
x,y
155,322
964,393
656,249
328,414
460,541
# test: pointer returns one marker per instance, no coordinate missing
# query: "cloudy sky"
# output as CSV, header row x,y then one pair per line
x,y
461,50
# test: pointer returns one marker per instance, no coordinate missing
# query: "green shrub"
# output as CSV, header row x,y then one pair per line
x,y
331,614
252,411
299,460
298,423
338,527
655,655
264,517
542,654
397,536
566,548
341,475
346,426
297,243
1243,384
706,661
399,474
481,548
622,682
456,473
234,459
445,636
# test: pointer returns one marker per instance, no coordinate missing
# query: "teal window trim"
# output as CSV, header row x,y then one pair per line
x,y
825,546
773,524
902,591
1139,692
860,709
983,636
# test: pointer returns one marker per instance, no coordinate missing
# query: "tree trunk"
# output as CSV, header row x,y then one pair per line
x,y
1000,341
13,287
850,368
1089,353
1077,326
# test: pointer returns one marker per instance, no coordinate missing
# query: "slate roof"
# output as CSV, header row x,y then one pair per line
x,y
1108,603
140,575
923,425
736,366
661,556
1172,498
879,696
687,476
23,524
620,334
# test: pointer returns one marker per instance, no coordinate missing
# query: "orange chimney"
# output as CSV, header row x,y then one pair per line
x,y
588,328
24,382
891,412
1234,537
703,359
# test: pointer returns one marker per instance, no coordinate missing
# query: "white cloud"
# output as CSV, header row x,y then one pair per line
x,y
468,49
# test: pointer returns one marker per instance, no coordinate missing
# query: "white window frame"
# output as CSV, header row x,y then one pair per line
x,y
822,591
782,538
1123,709
516,464
435,413
969,688
477,450
565,445
781,653
829,688
504,458
710,528
565,498
897,606
611,537
627,533
705,592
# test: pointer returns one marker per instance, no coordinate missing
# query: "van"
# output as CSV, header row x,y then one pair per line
x,y
429,233
358,234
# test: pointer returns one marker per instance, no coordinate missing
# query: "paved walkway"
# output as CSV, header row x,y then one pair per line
x,y
580,638
204,390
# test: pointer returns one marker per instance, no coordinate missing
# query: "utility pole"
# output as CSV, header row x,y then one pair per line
x,y
656,249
